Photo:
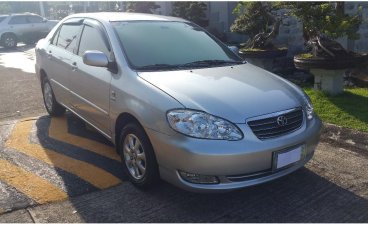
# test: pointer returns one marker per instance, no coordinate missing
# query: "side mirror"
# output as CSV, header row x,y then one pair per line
x,y
44,20
95,58
234,49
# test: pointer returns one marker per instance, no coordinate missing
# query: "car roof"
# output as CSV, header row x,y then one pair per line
x,y
23,14
126,16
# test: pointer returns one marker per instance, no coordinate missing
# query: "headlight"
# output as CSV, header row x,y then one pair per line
x,y
308,106
202,125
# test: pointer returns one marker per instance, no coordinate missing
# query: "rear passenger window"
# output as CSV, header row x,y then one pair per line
x,y
18,20
68,37
91,39
35,19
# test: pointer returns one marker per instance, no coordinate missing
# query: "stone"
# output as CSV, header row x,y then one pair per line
x,y
330,81
266,64
19,216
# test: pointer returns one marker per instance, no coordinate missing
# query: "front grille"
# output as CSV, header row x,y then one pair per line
x,y
269,127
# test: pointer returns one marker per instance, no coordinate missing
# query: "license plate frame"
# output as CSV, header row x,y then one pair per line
x,y
287,157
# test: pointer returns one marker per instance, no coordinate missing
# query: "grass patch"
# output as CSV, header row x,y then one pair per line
x,y
349,109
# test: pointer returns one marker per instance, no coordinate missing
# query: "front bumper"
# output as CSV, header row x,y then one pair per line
x,y
237,164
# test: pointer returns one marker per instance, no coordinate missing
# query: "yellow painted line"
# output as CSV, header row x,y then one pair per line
x,y
30,184
19,141
59,130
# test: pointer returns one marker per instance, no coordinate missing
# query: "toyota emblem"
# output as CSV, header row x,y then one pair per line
x,y
281,121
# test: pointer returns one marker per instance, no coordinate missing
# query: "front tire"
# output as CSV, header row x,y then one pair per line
x,y
138,158
9,41
51,105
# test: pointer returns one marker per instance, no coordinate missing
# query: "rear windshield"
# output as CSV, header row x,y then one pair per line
x,y
168,43
2,18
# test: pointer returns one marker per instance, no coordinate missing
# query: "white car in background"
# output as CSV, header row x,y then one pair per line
x,y
26,27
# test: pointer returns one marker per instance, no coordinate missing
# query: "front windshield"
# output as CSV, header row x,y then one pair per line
x,y
163,43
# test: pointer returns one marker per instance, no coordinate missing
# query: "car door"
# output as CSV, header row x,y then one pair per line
x,y
58,66
19,25
38,27
90,85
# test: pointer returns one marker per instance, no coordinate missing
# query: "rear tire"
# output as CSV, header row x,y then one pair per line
x,y
137,157
51,105
9,41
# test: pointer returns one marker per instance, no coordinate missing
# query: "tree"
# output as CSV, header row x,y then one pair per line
x,y
257,20
192,11
322,23
4,8
141,7
253,18
324,18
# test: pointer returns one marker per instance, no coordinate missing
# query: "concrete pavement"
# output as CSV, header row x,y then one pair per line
x,y
20,92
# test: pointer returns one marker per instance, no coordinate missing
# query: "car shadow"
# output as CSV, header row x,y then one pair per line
x,y
302,196
19,48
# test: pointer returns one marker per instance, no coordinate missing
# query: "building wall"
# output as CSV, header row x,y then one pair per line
x,y
360,45
165,8
221,18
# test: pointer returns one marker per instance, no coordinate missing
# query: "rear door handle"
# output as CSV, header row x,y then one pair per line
x,y
74,66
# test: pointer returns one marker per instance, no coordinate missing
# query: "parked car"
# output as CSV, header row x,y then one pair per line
x,y
175,101
26,27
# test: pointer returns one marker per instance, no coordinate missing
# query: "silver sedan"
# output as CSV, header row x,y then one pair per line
x,y
177,103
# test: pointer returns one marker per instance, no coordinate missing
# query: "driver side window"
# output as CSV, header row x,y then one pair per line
x,y
68,37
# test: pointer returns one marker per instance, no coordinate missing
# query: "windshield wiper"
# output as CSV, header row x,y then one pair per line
x,y
200,63
157,67
212,62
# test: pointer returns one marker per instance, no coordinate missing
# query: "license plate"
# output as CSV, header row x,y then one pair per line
x,y
287,157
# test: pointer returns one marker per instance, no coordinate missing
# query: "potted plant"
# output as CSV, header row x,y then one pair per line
x,y
258,21
141,7
192,11
327,59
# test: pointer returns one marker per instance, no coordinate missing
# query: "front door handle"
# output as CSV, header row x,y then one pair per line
x,y
49,54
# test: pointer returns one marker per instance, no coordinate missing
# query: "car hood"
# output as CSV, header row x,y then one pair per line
x,y
232,92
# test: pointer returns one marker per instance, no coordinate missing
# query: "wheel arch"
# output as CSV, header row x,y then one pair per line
x,y
42,75
8,33
122,120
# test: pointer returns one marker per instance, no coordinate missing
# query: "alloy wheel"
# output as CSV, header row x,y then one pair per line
x,y
9,41
135,157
